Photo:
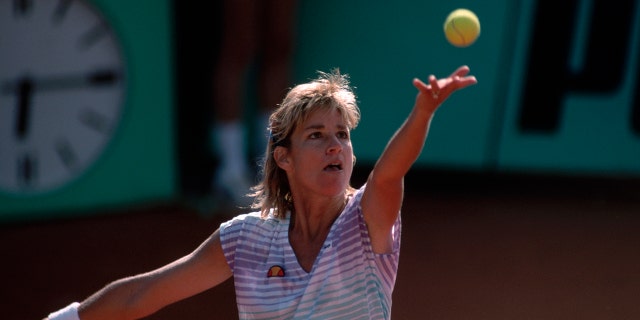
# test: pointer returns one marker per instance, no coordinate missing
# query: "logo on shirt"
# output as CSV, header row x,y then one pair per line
x,y
275,271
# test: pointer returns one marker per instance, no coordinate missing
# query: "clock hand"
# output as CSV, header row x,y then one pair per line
x,y
24,91
96,78
26,86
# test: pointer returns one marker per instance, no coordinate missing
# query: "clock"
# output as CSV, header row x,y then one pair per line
x,y
86,106
62,92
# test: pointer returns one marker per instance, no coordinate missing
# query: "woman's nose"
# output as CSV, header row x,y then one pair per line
x,y
334,145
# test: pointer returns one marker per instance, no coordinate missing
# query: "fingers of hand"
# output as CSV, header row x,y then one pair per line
x,y
461,71
419,84
435,87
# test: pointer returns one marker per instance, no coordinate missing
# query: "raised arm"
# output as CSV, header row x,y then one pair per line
x,y
383,197
141,295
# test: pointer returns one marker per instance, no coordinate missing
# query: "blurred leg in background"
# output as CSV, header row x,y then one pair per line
x,y
258,35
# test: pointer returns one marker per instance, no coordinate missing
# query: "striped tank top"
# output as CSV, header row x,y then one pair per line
x,y
347,281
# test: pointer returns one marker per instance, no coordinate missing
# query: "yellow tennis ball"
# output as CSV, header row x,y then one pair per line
x,y
462,27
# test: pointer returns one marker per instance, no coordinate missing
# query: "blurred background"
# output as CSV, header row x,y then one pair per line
x,y
524,204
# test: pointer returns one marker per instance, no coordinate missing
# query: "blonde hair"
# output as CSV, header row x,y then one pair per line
x,y
328,91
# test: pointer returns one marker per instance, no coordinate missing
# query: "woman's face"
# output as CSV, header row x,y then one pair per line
x,y
320,158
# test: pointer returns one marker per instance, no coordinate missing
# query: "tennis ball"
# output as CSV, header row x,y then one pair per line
x,y
462,27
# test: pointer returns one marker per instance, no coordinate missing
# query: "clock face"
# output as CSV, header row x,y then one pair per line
x,y
62,91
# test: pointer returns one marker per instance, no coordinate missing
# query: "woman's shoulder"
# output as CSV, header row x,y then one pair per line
x,y
254,219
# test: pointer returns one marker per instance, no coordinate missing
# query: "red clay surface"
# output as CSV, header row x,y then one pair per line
x,y
545,251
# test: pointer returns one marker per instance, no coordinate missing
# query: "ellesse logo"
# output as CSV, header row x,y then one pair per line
x,y
275,271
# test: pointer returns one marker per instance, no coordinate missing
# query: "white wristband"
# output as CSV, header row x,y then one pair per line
x,y
70,312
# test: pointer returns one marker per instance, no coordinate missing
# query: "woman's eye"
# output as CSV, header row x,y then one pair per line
x,y
343,135
315,135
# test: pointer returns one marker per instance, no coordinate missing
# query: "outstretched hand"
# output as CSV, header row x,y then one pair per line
x,y
431,95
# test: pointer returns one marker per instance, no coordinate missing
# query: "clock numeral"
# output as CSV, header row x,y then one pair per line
x,y
66,154
27,169
94,120
92,36
61,10
22,8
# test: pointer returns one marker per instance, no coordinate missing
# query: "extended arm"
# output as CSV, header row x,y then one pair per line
x,y
141,295
382,200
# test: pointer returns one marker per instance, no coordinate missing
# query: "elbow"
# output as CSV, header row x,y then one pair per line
x,y
386,182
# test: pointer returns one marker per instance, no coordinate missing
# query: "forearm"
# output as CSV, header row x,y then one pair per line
x,y
385,185
115,301
405,146
141,295
118,300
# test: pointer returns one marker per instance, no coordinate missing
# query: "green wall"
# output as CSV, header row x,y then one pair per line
x,y
384,45
558,91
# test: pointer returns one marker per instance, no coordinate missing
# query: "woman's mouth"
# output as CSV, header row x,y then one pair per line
x,y
337,166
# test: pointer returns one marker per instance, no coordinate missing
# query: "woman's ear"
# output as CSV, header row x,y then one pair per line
x,y
281,157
